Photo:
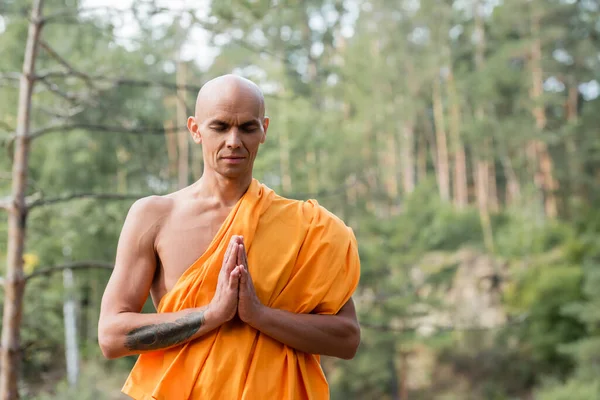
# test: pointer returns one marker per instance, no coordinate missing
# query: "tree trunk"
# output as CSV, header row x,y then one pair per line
x,y
545,180
513,189
391,167
284,157
460,164
575,170
443,174
430,139
10,353
481,176
313,177
422,159
171,142
408,158
481,170
492,187
183,136
70,323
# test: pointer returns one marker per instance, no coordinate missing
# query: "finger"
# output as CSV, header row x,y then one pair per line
x,y
243,275
229,249
245,258
234,278
232,262
240,254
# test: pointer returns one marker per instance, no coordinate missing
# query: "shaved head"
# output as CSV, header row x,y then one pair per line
x,y
230,123
229,89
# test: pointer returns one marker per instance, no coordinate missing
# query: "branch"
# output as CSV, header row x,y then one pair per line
x,y
72,99
76,12
70,113
73,196
62,61
11,76
121,81
73,265
152,130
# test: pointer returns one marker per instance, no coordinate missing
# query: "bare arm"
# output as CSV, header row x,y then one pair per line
x,y
332,335
122,329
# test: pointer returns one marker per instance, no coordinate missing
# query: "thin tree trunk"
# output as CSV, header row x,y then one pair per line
x,y
408,132
493,190
513,189
546,179
183,136
70,323
10,353
443,174
422,159
575,170
284,157
481,170
481,176
408,158
403,375
324,168
391,167
460,164
313,177
430,139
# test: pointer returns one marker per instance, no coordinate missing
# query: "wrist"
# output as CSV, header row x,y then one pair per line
x,y
259,317
212,318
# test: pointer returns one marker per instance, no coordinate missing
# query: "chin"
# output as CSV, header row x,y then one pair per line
x,y
229,174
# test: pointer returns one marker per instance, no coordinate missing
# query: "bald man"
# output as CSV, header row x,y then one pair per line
x,y
250,288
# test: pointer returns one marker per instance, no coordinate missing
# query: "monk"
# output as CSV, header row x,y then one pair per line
x,y
250,288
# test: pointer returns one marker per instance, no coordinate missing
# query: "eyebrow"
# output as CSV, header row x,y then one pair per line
x,y
245,123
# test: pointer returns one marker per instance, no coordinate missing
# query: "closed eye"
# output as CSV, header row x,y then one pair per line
x,y
249,127
219,127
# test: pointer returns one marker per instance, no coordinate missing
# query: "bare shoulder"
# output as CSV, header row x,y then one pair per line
x,y
148,213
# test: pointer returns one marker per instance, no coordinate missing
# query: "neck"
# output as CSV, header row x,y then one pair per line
x,y
226,191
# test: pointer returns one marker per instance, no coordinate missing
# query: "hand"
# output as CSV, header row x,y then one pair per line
x,y
249,305
224,304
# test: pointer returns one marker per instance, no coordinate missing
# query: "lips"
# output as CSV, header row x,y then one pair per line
x,y
233,159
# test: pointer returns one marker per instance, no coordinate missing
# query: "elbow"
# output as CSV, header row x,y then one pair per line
x,y
352,342
106,342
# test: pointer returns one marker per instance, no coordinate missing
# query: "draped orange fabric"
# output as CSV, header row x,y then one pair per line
x,y
302,259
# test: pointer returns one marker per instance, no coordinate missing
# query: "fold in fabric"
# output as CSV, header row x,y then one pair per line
x,y
302,259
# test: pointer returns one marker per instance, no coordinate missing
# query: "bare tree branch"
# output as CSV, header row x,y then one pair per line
x,y
62,61
74,196
74,12
148,130
69,113
10,76
116,81
72,99
72,265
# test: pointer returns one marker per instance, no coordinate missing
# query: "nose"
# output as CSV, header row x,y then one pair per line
x,y
233,139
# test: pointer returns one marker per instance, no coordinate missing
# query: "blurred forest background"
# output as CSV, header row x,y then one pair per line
x,y
459,138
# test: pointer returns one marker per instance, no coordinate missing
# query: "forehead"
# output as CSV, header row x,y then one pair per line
x,y
230,103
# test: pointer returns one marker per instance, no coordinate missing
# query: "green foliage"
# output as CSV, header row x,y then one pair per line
x,y
345,83
540,293
573,389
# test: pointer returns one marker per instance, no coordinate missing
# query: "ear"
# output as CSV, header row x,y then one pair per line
x,y
265,127
194,129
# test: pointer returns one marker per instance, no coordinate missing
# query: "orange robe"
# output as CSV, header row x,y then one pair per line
x,y
302,259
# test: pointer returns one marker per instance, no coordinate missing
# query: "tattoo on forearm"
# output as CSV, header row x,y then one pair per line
x,y
160,336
